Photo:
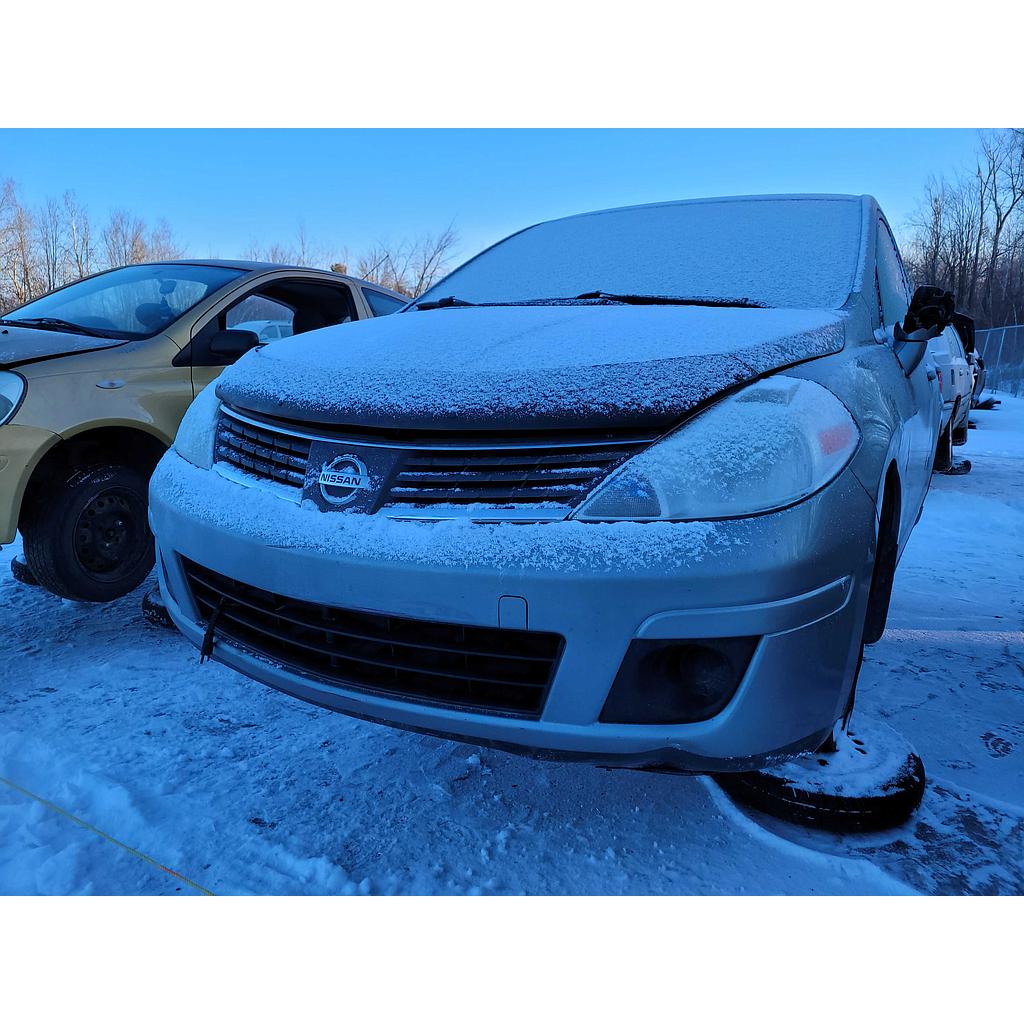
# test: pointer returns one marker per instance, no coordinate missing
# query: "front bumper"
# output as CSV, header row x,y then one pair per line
x,y
796,579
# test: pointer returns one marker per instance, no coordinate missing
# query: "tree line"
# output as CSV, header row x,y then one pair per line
x,y
967,235
57,242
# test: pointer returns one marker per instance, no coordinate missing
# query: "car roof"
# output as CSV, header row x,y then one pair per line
x,y
248,265
255,266
823,197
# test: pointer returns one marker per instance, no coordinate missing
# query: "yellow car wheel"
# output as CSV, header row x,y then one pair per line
x,y
88,539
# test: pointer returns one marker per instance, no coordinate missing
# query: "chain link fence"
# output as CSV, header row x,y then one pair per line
x,y
1002,348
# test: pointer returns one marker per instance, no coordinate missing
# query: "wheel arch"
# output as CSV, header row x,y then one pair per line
x,y
126,443
887,549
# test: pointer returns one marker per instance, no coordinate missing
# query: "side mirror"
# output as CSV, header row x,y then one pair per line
x,y
232,344
931,312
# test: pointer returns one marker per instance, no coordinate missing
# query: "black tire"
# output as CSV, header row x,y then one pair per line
x,y
89,539
959,436
788,790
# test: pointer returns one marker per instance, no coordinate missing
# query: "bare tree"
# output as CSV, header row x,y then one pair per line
x,y
303,251
410,267
47,247
8,207
161,244
51,245
79,237
275,253
430,258
1003,160
968,234
21,279
124,239
55,244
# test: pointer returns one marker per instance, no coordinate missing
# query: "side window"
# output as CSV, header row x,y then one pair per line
x,y
380,303
892,282
266,317
275,312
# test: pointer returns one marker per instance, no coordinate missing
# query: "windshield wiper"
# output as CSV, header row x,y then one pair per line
x,y
54,323
672,300
445,303
451,302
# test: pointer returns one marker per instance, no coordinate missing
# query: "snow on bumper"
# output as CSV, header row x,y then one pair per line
x,y
795,579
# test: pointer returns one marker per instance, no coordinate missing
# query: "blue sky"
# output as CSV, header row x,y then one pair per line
x,y
221,189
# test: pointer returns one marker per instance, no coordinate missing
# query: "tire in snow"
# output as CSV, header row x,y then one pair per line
x,y
873,780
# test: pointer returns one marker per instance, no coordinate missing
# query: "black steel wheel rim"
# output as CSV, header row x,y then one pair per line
x,y
109,537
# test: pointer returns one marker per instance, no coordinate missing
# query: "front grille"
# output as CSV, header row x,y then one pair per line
x,y
503,476
474,668
545,476
262,451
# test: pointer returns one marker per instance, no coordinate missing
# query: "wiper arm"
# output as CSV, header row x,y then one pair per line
x,y
54,323
445,303
450,301
672,300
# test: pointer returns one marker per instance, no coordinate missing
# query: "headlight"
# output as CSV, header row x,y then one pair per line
x,y
12,391
762,449
198,429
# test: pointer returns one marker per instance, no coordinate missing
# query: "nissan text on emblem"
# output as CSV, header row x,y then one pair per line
x,y
342,479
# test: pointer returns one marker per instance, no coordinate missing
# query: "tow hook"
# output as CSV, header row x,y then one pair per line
x,y
206,650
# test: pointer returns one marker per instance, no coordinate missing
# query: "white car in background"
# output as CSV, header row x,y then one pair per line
x,y
266,330
978,367
956,383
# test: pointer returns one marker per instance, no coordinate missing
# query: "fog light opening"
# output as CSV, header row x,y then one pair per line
x,y
671,682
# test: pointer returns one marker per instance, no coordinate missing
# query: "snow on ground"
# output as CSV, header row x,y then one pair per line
x,y
243,789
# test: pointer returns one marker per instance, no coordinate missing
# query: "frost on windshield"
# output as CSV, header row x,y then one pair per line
x,y
792,252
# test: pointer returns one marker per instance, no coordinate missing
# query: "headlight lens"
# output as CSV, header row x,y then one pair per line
x,y
12,391
763,448
198,429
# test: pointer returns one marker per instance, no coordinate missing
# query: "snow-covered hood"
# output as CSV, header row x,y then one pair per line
x,y
524,366
19,345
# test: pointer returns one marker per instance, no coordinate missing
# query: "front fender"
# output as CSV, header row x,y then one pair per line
x,y
23,448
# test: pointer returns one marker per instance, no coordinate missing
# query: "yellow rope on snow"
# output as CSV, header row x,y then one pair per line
x,y
110,839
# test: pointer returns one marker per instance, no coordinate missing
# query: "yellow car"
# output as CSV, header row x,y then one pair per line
x,y
96,376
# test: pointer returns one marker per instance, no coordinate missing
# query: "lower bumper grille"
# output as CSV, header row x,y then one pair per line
x,y
497,671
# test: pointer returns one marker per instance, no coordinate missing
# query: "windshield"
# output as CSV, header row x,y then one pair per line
x,y
130,303
794,253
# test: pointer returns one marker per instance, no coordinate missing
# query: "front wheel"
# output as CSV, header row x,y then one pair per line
x,y
89,539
